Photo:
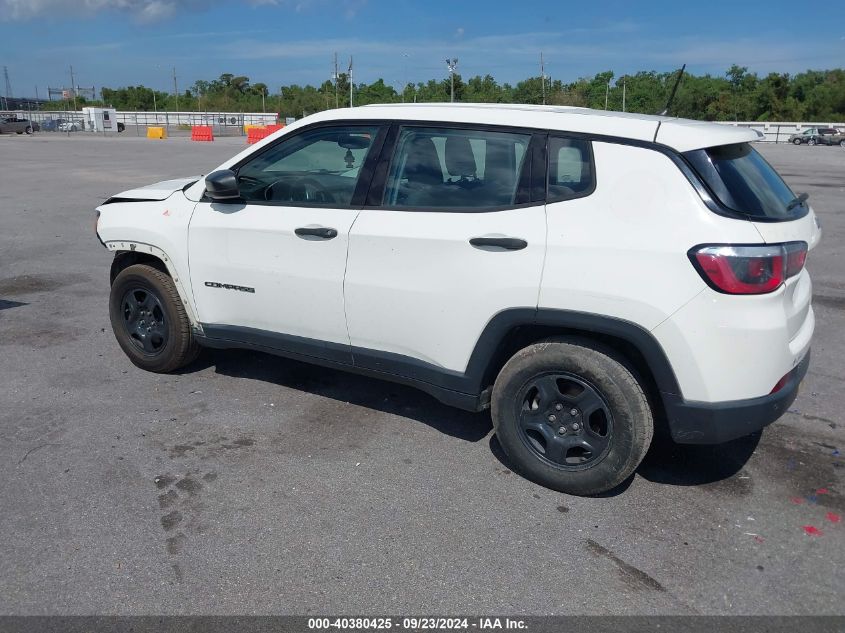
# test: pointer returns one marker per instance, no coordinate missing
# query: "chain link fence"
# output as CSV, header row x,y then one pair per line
x,y
136,123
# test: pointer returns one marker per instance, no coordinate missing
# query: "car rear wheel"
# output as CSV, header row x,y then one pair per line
x,y
29,129
842,143
149,320
811,142
571,415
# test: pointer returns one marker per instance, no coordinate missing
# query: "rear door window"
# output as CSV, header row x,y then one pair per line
x,y
459,169
744,182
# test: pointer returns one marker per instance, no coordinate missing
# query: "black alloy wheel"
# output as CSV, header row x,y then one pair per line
x,y
564,420
144,320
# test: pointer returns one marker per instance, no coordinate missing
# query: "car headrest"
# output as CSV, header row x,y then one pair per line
x,y
423,164
460,161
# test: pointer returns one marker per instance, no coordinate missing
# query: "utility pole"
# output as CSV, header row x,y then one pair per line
x,y
73,88
175,89
452,64
8,94
624,86
404,74
606,93
336,98
351,85
263,94
543,77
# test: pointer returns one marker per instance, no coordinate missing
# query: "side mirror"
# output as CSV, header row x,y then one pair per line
x,y
222,185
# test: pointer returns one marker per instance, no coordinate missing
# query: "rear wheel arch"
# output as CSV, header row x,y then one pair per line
x,y
513,330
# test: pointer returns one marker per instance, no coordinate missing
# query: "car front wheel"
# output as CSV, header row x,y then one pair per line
x,y
796,141
149,320
571,416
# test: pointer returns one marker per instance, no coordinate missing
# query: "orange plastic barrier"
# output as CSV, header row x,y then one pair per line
x,y
273,128
202,133
255,134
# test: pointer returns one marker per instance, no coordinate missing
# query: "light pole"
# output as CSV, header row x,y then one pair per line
x,y
452,64
404,74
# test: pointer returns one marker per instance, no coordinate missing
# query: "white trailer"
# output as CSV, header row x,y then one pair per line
x,y
100,119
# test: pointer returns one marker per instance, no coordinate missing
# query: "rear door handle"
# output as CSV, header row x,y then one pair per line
x,y
506,243
321,232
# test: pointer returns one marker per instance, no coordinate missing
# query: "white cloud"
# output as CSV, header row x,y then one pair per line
x,y
143,10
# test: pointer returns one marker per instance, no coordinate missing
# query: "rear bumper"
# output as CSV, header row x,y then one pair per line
x,y
717,422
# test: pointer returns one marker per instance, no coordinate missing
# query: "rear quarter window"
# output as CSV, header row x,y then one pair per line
x,y
571,174
742,180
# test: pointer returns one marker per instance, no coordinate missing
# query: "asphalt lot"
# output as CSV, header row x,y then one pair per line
x,y
249,484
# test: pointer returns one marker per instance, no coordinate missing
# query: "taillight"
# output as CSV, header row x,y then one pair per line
x,y
796,255
748,270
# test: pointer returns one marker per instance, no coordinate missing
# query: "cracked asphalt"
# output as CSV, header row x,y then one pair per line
x,y
249,484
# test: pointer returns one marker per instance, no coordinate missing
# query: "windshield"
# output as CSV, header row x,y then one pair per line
x,y
744,182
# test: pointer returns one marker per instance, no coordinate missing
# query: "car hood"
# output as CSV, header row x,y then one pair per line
x,y
156,191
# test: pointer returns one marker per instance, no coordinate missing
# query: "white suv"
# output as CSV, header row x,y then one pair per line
x,y
586,275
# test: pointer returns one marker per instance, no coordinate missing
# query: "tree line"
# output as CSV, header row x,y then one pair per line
x,y
814,95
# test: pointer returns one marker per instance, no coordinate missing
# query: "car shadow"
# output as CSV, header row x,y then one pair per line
x,y
665,463
676,464
696,464
5,304
343,386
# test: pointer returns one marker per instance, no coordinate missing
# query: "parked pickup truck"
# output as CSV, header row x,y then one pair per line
x,y
19,126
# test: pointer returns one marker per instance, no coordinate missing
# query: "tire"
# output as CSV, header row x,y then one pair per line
x,y
811,142
842,143
541,382
149,320
29,130
796,141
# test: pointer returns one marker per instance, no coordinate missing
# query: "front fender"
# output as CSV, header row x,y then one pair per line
x,y
153,228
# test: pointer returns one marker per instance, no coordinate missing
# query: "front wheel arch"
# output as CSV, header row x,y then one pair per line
x,y
125,259
158,259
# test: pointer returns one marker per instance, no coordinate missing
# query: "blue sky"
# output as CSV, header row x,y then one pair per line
x,y
279,42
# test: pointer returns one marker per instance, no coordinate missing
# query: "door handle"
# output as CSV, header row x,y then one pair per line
x,y
506,243
322,232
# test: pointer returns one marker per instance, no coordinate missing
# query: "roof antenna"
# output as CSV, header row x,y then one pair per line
x,y
665,110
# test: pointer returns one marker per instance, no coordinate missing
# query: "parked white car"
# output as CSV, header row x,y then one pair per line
x,y
584,274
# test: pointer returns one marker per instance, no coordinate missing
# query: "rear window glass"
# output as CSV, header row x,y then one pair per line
x,y
744,182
